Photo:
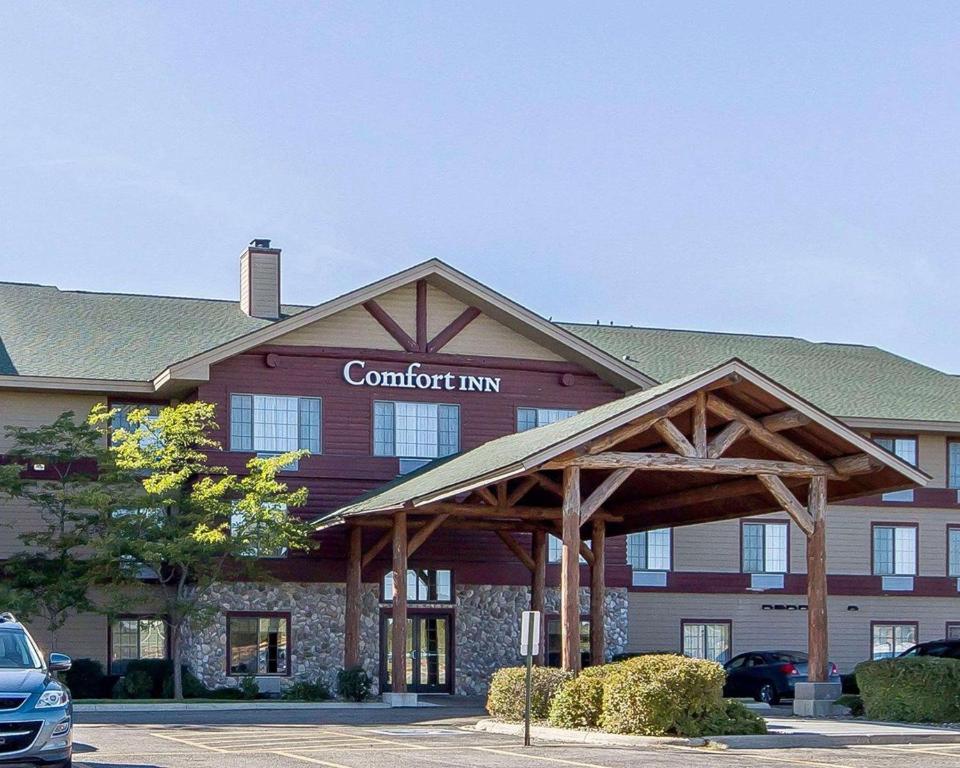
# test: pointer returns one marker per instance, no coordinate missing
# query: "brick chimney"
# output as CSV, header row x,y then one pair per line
x,y
260,280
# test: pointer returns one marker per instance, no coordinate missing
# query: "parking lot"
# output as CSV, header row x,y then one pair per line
x,y
418,739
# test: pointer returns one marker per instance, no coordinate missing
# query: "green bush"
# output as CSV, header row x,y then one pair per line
x,y
661,695
732,717
137,685
853,702
507,695
304,691
86,680
193,687
918,689
248,687
579,701
227,693
354,684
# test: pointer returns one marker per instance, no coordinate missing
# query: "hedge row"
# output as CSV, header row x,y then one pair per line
x,y
918,689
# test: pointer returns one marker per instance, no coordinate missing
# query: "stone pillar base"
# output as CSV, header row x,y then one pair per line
x,y
815,699
399,699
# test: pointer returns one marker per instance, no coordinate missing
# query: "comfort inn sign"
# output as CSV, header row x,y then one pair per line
x,y
356,373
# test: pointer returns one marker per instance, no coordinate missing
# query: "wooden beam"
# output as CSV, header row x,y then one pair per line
x,y
398,662
482,511
464,319
700,424
674,437
817,643
377,547
390,325
632,429
502,494
788,501
548,484
791,419
538,583
570,573
586,553
422,315
772,440
694,496
525,486
725,438
425,533
856,464
597,594
455,523
486,495
602,492
670,462
351,619
514,547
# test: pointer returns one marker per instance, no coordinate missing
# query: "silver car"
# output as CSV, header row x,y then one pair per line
x,y
36,714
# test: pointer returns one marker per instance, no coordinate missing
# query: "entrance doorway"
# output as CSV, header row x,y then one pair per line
x,y
428,652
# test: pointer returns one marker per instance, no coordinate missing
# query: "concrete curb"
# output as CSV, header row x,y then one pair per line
x,y
768,741
228,706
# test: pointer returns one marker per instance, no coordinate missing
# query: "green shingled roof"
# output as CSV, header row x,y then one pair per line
x,y
847,380
48,332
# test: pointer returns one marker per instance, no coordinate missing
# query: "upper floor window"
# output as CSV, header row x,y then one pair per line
x,y
895,550
649,550
530,418
905,447
765,547
423,586
953,463
121,420
953,551
239,526
555,549
415,430
274,423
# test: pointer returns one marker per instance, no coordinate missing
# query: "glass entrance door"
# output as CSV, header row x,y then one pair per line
x,y
428,652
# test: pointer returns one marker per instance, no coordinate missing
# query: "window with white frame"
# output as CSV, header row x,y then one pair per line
x,y
415,430
240,526
555,549
424,585
895,550
953,551
121,418
706,640
906,449
272,424
531,418
136,637
891,640
649,550
953,463
765,547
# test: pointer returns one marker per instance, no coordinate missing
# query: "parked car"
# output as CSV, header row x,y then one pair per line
x,y
946,649
36,714
768,675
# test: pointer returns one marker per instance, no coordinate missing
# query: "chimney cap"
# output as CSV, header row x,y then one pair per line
x,y
260,242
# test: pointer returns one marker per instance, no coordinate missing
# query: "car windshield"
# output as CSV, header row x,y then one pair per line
x,y
16,652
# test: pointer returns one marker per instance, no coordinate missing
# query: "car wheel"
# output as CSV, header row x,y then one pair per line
x,y
768,694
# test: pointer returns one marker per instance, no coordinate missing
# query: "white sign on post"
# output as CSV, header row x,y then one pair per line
x,y
530,633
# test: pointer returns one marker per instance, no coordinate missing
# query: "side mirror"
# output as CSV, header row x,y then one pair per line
x,y
59,662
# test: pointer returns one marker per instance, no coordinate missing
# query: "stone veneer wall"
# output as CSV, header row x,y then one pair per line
x,y
487,629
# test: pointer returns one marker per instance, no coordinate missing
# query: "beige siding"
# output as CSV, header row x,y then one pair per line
x,y
932,457
716,546
485,336
654,621
260,284
84,636
442,309
353,327
35,409
16,517
401,305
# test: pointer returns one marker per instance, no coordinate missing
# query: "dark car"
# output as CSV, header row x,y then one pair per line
x,y
768,675
36,714
945,649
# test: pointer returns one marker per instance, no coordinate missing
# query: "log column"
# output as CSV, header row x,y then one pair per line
x,y
538,584
817,583
570,572
351,629
398,662
598,593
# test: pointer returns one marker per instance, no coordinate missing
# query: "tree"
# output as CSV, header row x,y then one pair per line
x,y
65,473
189,524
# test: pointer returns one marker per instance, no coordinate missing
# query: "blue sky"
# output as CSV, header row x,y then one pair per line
x,y
782,168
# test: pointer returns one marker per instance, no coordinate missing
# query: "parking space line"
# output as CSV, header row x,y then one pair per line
x,y
539,757
940,749
189,743
304,758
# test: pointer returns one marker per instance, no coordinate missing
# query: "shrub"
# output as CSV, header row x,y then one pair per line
x,y
157,670
137,685
304,691
193,687
660,695
853,702
248,687
849,684
508,692
732,717
86,680
579,701
918,689
354,684
228,693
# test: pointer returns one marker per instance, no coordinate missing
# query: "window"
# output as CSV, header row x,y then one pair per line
x,y
891,640
272,424
530,418
239,527
906,449
555,549
706,640
555,643
953,630
649,551
415,430
132,638
120,419
764,547
423,586
894,550
258,644
953,463
953,551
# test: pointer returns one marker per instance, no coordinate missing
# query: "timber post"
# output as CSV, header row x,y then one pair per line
x,y
538,583
570,572
597,594
398,662
817,583
351,631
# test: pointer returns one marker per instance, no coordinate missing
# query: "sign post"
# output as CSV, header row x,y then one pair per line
x,y
529,647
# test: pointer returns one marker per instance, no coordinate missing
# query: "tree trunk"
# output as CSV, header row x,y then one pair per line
x,y
177,666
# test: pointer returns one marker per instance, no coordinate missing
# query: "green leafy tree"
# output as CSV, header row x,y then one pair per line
x,y
192,525
50,577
